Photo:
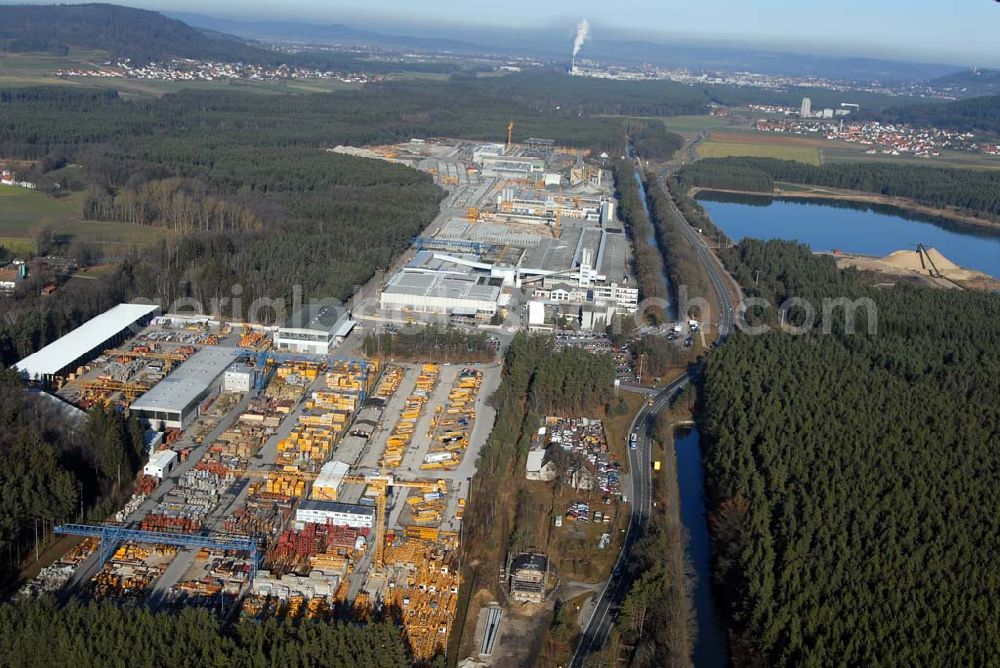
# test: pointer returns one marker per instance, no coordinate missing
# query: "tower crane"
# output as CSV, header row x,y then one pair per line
x,y
510,133
380,483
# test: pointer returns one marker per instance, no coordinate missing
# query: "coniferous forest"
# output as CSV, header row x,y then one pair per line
x,y
852,476
39,634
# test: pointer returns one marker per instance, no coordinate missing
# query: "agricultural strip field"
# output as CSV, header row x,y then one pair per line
x,y
761,145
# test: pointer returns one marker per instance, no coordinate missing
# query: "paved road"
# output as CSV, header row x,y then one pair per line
x,y
599,626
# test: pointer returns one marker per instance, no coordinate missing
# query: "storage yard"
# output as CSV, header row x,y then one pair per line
x,y
339,483
287,480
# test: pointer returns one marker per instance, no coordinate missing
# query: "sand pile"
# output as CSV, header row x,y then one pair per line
x,y
912,260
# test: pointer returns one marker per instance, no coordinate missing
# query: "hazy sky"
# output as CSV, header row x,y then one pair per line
x,y
966,31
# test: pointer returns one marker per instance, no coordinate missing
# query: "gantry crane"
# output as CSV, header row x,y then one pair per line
x,y
380,483
167,358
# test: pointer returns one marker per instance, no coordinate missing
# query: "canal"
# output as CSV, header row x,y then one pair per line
x,y
710,647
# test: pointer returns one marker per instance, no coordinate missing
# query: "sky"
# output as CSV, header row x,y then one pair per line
x,y
954,31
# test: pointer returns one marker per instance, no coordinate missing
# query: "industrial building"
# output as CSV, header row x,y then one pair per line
x,y
336,514
176,400
160,464
446,293
528,576
314,328
240,377
85,342
328,482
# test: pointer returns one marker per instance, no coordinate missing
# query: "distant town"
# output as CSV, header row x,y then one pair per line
x,y
883,138
646,72
196,70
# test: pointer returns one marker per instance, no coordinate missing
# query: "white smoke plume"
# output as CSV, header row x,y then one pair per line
x,y
582,35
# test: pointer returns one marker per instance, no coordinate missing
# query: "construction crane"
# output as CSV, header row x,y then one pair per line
x,y
380,483
510,133
472,214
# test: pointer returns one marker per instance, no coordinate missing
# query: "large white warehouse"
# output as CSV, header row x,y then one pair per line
x,y
85,342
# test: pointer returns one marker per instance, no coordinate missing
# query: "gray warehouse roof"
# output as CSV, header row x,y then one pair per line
x,y
179,389
317,317
89,336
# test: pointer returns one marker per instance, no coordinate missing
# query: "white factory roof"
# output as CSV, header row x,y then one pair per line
x,y
331,475
92,334
179,389
443,286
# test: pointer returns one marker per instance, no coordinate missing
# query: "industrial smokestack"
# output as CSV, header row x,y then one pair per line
x,y
582,35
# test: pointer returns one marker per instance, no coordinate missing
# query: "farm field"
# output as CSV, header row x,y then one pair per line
x,y
815,150
725,145
24,212
694,124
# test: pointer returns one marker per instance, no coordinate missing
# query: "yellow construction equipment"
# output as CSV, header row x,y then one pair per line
x,y
379,483
472,214
510,133
129,390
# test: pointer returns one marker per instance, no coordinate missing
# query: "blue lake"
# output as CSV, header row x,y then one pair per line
x,y
854,228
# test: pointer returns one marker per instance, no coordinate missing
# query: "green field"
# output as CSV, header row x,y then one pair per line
x,y
716,149
24,212
694,124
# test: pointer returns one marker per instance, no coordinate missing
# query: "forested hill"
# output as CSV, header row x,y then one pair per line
x,y
852,476
969,83
123,32
976,114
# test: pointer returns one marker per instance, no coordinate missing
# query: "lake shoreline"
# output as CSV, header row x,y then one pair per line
x,y
861,197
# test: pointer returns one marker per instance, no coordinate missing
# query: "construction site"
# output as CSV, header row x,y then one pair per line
x,y
279,484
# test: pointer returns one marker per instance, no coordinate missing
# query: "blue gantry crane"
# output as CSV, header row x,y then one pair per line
x,y
111,535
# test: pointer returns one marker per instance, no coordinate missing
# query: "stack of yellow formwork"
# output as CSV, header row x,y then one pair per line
x,y
286,485
308,370
403,432
306,444
350,376
391,379
427,598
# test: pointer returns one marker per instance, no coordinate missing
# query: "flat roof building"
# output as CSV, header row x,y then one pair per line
x,y
441,293
314,328
175,401
85,342
335,513
160,464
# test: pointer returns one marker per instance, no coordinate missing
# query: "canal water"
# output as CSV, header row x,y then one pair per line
x,y
852,227
710,649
